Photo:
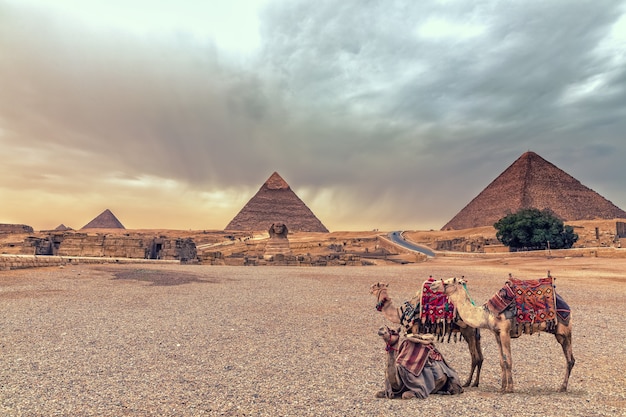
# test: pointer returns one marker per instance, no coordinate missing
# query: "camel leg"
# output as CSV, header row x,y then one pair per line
x,y
472,337
478,351
564,337
503,339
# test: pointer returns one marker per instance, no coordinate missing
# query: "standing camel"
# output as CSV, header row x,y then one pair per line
x,y
397,315
504,327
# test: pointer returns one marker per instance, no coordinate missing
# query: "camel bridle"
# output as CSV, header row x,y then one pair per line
x,y
456,285
380,303
390,344
444,285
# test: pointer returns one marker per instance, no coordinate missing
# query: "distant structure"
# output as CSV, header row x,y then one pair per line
x,y
275,202
533,182
62,228
278,243
105,220
15,228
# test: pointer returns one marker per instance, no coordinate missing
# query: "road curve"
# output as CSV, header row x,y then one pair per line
x,y
397,238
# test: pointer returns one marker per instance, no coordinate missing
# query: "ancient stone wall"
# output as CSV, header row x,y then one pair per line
x,y
182,249
15,228
472,244
110,246
241,259
9,262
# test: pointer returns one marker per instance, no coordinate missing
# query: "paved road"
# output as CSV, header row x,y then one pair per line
x,y
396,237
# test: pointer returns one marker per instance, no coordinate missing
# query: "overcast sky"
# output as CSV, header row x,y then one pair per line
x,y
378,114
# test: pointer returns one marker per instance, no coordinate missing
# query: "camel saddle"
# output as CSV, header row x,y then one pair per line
x,y
413,355
531,301
437,313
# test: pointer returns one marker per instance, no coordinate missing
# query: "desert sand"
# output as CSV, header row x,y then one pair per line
x,y
175,340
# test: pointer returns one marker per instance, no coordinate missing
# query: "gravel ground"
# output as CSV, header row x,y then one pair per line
x,y
171,340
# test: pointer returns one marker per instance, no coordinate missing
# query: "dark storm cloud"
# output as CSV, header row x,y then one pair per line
x,y
390,109
441,105
373,62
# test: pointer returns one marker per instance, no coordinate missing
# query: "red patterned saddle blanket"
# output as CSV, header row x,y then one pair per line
x,y
430,312
535,300
436,308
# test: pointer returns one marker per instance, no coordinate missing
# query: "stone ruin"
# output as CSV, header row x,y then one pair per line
x,y
94,240
112,246
357,251
15,228
466,244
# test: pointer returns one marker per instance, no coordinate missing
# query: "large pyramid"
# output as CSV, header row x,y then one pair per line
x,y
105,220
275,202
533,182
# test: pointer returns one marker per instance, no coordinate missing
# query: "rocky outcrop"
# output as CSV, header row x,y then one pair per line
x,y
10,262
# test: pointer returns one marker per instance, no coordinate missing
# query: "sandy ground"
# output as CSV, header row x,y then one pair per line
x,y
170,340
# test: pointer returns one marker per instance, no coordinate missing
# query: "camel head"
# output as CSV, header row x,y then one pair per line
x,y
447,286
389,335
376,289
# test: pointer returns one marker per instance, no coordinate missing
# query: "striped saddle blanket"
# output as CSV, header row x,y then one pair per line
x,y
413,356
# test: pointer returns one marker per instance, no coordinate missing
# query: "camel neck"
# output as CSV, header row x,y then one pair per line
x,y
472,315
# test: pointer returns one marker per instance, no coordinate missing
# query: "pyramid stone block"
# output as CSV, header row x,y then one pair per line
x,y
105,220
275,202
533,182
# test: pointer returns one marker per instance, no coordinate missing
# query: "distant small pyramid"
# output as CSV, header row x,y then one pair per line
x,y
62,228
533,182
275,202
105,220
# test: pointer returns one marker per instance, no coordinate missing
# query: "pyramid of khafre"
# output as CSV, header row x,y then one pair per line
x,y
533,182
275,202
105,220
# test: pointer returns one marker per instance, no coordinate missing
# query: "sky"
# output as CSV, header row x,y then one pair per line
x,y
379,114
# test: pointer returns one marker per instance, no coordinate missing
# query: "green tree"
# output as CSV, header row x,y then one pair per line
x,y
534,229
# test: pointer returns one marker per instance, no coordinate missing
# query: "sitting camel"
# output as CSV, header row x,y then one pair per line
x,y
504,327
415,368
392,381
397,315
